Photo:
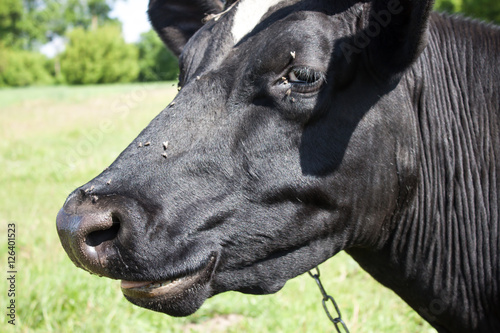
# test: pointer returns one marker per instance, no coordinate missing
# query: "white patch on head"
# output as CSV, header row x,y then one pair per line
x,y
248,15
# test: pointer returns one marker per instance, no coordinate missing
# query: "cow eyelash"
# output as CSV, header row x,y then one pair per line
x,y
305,80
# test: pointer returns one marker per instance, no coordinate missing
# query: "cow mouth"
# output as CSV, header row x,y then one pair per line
x,y
158,288
180,296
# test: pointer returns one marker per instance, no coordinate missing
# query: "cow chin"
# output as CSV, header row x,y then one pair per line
x,y
177,297
181,305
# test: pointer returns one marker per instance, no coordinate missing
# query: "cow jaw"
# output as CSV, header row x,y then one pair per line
x,y
180,296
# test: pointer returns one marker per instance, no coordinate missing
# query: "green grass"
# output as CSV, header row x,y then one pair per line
x,y
54,139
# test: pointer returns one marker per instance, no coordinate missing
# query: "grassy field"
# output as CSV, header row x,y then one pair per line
x,y
56,138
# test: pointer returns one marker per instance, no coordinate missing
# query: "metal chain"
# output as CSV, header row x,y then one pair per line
x,y
338,322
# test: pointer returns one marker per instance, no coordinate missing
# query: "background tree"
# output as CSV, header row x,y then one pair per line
x,y
24,68
25,25
488,10
485,9
28,24
64,15
11,13
156,62
99,56
19,67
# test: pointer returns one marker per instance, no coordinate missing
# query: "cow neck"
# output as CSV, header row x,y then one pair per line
x,y
436,258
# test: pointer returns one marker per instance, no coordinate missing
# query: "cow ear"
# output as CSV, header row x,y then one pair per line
x,y
395,34
176,21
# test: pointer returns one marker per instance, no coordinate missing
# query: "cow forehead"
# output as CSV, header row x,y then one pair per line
x,y
248,14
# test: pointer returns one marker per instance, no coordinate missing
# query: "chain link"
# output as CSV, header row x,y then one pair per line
x,y
337,321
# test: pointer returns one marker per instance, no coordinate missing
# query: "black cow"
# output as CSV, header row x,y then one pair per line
x,y
304,128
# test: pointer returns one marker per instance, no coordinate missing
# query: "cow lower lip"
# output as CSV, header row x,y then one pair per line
x,y
166,288
157,288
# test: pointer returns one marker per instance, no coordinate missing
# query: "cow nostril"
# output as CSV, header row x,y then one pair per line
x,y
98,237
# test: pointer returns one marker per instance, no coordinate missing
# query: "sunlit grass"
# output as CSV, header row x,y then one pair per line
x,y
57,138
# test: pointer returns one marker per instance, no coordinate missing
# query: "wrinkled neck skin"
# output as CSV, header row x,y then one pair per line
x,y
442,255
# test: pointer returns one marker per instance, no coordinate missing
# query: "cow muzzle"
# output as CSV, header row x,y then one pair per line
x,y
97,230
88,233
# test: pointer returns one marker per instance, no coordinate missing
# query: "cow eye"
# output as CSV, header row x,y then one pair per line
x,y
305,80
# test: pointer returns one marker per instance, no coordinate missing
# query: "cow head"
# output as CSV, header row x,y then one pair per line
x,y
289,141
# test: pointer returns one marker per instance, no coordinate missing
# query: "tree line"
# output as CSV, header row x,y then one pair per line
x,y
487,10
95,51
